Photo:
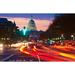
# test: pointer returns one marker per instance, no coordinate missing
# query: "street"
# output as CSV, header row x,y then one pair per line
x,y
15,55
39,52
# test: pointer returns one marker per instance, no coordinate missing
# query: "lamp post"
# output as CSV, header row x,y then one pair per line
x,y
72,36
62,39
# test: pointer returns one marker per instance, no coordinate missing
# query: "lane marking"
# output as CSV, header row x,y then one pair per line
x,y
8,57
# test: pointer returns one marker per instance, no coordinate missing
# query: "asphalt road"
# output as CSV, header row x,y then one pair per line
x,y
52,53
42,53
15,55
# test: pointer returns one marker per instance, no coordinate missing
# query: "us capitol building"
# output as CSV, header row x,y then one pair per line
x,y
30,30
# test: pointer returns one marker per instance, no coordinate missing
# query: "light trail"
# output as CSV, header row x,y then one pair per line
x,y
66,49
67,55
48,54
24,51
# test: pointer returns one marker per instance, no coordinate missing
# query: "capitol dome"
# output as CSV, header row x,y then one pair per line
x,y
30,30
31,25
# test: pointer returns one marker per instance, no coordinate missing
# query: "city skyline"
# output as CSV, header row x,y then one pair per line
x,y
42,20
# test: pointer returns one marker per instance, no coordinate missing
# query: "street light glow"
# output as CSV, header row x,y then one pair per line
x,y
1,48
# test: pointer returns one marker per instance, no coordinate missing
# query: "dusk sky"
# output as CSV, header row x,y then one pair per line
x,y
42,20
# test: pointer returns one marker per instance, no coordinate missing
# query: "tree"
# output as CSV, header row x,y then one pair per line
x,y
7,31
63,24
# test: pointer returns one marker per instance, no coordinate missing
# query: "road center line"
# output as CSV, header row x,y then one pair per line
x,y
8,57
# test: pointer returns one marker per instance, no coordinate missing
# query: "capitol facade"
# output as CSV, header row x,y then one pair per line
x,y
30,30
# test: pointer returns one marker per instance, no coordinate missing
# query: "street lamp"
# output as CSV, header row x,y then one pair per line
x,y
72,36
62,35
62,39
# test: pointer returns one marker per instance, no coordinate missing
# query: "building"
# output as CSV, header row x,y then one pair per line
x,y
30,30
7,29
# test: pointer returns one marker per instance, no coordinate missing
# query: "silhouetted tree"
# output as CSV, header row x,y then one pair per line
x,y
7,31
63,24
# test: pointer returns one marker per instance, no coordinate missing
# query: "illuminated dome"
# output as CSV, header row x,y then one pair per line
x,y
30,30
31,25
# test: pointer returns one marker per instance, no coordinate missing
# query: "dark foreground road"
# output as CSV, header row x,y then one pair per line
x,y
15,55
